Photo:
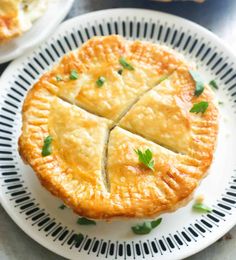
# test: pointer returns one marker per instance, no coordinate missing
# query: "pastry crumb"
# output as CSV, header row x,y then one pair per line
x,y
226,237
200,198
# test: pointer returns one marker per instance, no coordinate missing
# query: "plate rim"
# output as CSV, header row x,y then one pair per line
x,y
201,29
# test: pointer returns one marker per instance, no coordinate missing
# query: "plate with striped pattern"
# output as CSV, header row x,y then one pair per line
x,y
181,233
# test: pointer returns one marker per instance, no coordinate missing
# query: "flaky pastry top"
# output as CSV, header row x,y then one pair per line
x,y
96,129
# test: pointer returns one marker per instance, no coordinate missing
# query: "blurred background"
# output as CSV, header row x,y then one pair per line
x,y
218,16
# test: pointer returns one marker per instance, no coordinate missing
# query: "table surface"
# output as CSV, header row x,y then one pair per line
x,y
218,16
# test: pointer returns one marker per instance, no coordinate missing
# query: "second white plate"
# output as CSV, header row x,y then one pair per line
x,y
55,13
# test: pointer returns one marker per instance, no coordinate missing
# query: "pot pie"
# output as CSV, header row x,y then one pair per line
x,y
101,108
17,16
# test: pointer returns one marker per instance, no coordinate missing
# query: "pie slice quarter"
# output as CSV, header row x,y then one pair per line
x,y
79,141
74,170
163,116
137,190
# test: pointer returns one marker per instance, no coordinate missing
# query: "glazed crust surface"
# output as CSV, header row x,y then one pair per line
x,y
95,130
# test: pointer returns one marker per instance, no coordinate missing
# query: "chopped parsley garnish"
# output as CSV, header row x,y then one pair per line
x,y
120,71
200,107
74,75
146,227
125,64
58,78
145,158
213,84
101,80
162,79
85,221
199,87
220,103
201,208
47,149
79,238
62,206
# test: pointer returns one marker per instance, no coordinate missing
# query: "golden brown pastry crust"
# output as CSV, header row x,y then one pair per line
x,y
163,115
143,192
100,57
97,175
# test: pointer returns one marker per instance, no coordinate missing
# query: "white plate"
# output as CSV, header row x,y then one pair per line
x,y
55,13
181,233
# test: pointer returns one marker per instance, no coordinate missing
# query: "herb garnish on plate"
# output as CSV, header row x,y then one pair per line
x,y
74,75
85,221
100,81
200,107
125,64
146,158
199,84
47,149
146,227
